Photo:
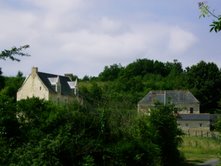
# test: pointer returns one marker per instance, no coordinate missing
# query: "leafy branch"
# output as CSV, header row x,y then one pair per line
x,y
206,12
14,51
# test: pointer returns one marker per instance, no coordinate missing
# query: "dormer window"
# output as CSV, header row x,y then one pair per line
x,y
73,85
55,81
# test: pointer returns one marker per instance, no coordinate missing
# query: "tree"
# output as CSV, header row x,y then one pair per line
x,y
2,80
14,51
11,53
166,133
110,73
204,80
205,11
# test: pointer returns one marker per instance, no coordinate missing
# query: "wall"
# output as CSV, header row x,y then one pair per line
x,y
194,125
33,87
185,108
182,108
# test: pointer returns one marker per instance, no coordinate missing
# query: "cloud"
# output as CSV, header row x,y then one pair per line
x,y
57,6
180,40
64,36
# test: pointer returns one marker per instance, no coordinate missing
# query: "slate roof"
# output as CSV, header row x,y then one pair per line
x,y
166,96
195,117
65,88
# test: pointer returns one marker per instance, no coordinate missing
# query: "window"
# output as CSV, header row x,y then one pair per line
x,y
201,124
40,88
191,110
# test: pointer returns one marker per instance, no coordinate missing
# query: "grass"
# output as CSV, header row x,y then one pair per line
x,y
200,149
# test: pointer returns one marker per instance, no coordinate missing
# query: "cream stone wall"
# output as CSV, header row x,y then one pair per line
x,y
194,125
33,87
185,108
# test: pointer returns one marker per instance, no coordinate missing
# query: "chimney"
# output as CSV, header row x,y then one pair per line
x,y
34,71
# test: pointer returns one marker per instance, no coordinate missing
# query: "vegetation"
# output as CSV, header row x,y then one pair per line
x,y
11,53
129,84
205,11
36,132
105,129
199,149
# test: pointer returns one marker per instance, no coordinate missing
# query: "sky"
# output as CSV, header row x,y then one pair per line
x,y
84,36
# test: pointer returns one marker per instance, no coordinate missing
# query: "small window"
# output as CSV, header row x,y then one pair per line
x,y
201,124
191,110
40,88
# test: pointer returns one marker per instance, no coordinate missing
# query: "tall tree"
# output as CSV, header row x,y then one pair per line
x,y
166,133
204,80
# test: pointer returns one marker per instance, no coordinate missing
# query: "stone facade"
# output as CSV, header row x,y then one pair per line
x,y
192,122
59,89
189,118
183,100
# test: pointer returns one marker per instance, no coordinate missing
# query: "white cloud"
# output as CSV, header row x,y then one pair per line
x,y
180,40
57,6
64,37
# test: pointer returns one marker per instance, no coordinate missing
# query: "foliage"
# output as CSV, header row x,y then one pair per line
x,y
104,128
200,149
218,125
110,73
12,84
205,11
204,80
14,51
36,132
2,80
166,133
138,78
11,55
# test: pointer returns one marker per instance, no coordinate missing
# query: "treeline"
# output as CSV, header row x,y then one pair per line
x,y
104,128
36,132
130,83
93,132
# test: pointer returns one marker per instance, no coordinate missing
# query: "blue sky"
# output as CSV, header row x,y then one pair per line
x,y
83,36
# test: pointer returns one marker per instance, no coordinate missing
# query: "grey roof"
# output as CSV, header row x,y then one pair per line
x,y
194,117
65,88
166,96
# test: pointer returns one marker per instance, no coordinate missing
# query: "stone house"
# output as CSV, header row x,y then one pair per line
x,y
183,100
56,88
189,118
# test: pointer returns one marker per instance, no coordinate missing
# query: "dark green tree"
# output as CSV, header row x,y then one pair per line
x,y
12,84
9,126
110,73
204,80
2,80
166,134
